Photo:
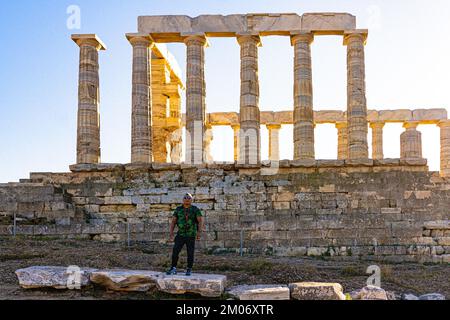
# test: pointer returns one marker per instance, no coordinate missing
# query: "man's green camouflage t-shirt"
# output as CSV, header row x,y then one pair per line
x,y
187,220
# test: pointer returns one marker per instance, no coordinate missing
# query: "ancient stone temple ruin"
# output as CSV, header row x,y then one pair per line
x,y
358,205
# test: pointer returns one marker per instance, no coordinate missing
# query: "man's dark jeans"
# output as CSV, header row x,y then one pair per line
x,y
179,244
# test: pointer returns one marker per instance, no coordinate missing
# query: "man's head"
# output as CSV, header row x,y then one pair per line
x,y
187,200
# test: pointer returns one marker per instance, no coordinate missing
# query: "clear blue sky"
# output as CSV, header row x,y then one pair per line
x,y
407,61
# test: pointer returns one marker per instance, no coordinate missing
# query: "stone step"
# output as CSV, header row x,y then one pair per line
x,y
316,291
53,277
260,292
206,285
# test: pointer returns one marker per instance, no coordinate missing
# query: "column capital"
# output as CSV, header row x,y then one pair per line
x,y
90,40
361,34
273,126
235,126
140,38
190,38
377,124
341,124
247,37
411,124
444,123
302,36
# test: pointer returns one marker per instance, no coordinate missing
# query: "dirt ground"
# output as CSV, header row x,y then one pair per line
x,y
21,253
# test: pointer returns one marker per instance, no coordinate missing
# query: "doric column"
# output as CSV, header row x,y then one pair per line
x,y
249,118
445,148
88,128
411,141
208,140
274,141
342,140
141,104
358,147
303,97
377,139
195,99
236,130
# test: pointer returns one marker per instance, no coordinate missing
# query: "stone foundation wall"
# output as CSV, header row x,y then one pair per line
x,y
382,210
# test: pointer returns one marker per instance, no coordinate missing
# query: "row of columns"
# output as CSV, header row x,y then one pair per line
x,y
352,134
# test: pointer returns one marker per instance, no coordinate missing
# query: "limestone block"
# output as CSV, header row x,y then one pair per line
x,y
370,293
168,28
53,277
316,291
432,296
436,225
326,23
395,115
126,280
209,285
260,292
429,115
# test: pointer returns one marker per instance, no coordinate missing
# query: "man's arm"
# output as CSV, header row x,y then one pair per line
x,y
172,228
200,227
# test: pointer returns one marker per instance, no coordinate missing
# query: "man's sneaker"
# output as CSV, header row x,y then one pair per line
x,y
188,272
172,271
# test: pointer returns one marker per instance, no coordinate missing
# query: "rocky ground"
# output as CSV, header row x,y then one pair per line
x,y
21,253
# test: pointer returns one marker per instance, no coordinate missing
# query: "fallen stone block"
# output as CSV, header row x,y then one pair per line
x,y
369,293
260,292
54,277
126,280
409,296
432,296
207,285
316,291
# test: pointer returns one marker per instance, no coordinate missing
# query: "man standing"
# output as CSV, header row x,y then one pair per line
x,y
188,219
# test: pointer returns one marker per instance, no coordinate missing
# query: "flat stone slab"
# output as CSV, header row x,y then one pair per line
x,y
260,292
316,291
370,293
126,280
207,285
54,277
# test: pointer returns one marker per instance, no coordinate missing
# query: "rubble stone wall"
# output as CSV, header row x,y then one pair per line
x,y
382,210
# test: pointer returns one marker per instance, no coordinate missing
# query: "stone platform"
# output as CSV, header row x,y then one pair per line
x,y
388,210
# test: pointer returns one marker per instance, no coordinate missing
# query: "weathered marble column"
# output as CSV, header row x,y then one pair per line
x,y
274,141
208,140
445,148
250,117
195,99
236,130
303,97
411,141
141,119
88,128
377,139
358,147
342,140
